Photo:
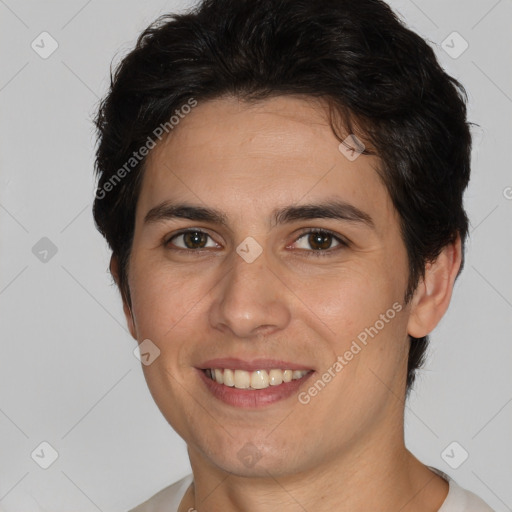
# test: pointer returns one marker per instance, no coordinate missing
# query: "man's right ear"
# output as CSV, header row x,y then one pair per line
x,y
130,320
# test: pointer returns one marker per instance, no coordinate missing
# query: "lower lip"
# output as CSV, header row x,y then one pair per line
x,y
253,398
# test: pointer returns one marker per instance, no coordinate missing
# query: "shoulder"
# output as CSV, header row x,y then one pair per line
x,y
168,499
460,499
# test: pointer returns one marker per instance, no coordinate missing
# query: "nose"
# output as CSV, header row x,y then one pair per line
x,y
250,300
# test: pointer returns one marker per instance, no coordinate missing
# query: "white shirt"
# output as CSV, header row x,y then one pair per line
x,y
457,500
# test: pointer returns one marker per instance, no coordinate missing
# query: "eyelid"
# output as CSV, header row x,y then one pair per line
x,y
343,242
335,235
184,231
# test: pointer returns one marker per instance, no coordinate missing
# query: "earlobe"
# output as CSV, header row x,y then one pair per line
x,y
433,294
130,320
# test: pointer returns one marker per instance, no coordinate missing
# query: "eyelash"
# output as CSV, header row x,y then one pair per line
x,y
343,243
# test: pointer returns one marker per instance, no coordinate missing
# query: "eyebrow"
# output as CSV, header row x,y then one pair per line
x,y
333,209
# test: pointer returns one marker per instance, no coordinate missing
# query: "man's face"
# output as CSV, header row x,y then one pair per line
x,y
262,289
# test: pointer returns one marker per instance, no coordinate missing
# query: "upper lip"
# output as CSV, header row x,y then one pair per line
x,y
234,363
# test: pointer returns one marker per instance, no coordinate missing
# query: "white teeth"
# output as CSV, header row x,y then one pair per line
x,y
229,378
259,379
242,379
275,377
218,376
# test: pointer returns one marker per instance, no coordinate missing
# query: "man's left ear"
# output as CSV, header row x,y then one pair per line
x,y
433,293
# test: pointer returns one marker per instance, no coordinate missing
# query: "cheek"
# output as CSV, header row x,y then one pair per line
x,y
352,299
162,296
363,309
149,304
164,304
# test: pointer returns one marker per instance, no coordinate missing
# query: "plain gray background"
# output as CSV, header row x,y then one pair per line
x,y
68,375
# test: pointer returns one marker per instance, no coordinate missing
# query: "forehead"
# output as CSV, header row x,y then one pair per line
x,y
275,129
244,156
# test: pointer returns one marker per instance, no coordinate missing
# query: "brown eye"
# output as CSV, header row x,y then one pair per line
x,y
191,240
319,242
195,239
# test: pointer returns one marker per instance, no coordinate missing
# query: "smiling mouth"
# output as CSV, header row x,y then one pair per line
x,y
259,379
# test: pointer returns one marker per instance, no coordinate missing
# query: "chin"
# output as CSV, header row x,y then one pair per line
x,y
247,460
